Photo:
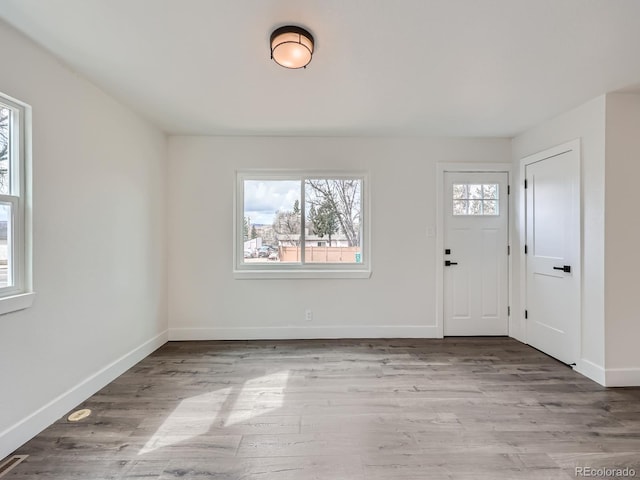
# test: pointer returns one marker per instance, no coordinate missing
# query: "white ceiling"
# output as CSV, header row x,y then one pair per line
x,y
416,67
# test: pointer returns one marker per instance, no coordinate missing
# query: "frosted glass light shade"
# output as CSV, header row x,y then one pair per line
x,y
291,47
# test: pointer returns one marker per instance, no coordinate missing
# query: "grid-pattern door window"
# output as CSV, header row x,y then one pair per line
x,y
475,199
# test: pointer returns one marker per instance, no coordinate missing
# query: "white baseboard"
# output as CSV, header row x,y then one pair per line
x,y
304,333
591,370
622,377
609,377
21,432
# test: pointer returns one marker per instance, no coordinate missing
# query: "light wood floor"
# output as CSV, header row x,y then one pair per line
x,y
459,408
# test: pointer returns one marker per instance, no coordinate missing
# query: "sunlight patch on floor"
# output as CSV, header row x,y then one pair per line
x,y
258,396
192,417
196,415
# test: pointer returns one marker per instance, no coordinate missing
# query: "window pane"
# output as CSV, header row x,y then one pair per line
x,y
333,230
5,245
460,207
5,149
272,219
475,207
490,191
475,191
490,207
460,191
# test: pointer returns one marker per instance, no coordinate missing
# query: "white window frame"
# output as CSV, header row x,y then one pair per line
x,y
265,270
20,294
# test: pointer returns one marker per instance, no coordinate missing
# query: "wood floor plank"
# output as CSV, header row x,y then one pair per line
x,y
458,408
272,468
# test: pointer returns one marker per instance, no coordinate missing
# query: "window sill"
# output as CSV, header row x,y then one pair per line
x,y
16,302
298,274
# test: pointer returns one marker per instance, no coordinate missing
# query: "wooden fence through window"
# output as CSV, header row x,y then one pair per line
x,y
319,254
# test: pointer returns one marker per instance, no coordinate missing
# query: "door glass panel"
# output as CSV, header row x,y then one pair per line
x,y
460,207
460,191
475,191
475,207
490,191
475,199
490,207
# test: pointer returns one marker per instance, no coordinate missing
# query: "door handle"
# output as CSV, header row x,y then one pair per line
x,y
448,263
564,268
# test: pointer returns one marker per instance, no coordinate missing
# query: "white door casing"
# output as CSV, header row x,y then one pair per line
x,y
553,252
476,283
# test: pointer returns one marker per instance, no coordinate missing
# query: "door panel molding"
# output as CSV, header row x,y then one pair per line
x,y
441,169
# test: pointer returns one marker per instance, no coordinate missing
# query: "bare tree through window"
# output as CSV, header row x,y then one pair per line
x,y
5,119
339,200
305,220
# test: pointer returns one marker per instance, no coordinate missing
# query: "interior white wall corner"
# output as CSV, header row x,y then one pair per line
x,y
622,235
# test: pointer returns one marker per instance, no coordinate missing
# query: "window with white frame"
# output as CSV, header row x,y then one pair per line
x,y
475,199
301,222
13,122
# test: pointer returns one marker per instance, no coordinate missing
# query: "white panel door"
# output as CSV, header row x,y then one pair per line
x,y
476,260
553,255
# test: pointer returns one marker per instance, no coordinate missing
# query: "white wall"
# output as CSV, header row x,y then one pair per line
x,y
205,301
99,175
587,123
622,268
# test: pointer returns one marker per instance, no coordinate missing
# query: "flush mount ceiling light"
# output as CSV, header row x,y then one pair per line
x,y
291,47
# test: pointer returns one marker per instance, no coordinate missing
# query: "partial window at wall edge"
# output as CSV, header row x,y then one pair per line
x,y
15,202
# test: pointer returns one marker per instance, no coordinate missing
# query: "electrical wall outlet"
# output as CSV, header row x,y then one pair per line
x,y
308,315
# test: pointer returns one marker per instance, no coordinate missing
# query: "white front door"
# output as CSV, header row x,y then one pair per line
x,y
476,220
553,254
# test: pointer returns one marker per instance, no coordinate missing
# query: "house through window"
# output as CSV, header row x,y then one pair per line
x,y
295,221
